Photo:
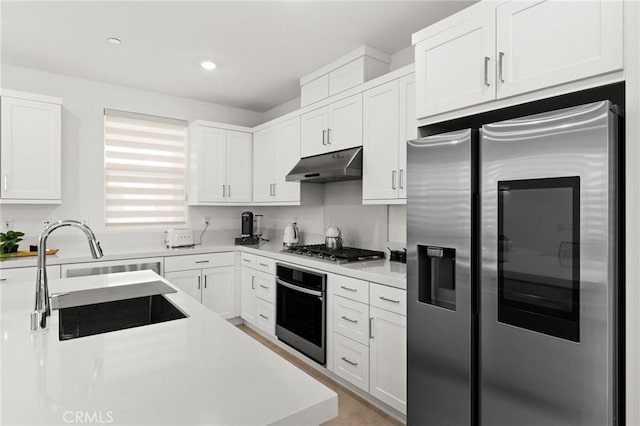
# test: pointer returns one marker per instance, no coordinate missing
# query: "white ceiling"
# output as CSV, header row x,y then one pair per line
x,y
262,48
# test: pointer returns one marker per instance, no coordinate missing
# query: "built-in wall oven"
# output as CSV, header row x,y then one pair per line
x,y
301,310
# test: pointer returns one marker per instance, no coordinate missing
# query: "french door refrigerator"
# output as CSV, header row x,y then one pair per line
x,y
511,268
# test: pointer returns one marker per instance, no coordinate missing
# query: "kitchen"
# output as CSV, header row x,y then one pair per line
x,y
343,204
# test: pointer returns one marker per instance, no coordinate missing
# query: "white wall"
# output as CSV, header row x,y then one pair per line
x,y
402,58
83,144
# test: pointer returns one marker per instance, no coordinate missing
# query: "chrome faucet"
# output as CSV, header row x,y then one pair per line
x,y
42,309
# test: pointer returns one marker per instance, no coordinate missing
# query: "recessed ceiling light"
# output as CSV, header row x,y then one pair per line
x,y
208,65
114,40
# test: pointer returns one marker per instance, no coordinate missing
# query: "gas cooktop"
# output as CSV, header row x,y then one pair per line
x,y
343,255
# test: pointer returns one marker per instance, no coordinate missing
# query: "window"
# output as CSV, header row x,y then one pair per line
x,y
144,163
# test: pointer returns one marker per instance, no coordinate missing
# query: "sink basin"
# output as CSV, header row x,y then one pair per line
x,y
89,312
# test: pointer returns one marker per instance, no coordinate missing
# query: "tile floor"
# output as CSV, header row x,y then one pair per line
x,y
352,410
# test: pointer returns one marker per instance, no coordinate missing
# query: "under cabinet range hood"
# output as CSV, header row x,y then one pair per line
x,y
330,167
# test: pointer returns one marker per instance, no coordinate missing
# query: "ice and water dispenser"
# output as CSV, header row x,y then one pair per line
x,y
437,276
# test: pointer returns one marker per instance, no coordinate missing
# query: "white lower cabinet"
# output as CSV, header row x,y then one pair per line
x,y
388,357
21,275
351,361
258,292
214,287
369,331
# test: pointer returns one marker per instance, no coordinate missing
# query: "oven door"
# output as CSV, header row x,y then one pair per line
x,y
300,319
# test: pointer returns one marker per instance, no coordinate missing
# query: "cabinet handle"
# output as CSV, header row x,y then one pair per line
x,y
205,281
486,71
328,136
253,284
324,137
202,261
500,61
346,318
264,286
275,189
3,279
224,191
199,283
401,179
393,179
349,288
265,317
371,328
246,260
389,300
348,361
228,190
5,183
263,264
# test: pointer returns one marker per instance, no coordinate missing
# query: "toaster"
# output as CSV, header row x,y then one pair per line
x,y
178,238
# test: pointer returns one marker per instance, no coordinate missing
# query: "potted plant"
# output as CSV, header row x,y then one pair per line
x,y
9,241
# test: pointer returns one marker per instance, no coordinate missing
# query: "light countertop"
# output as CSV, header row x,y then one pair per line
x,y
378,271
191,371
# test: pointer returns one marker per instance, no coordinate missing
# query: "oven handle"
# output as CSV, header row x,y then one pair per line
x,y
300,289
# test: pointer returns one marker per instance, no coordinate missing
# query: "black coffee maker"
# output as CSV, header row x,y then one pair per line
x,y
247,237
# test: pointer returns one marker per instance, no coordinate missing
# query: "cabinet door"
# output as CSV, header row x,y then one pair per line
x,y
408,127
30,150
188,281
380,128
264,160
345,123
211,164
572,41
455,67
388,357
313,132
288,155
218,293
239,166
248,295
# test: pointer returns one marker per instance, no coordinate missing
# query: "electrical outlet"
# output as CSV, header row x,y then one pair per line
x,y
206,220
7,224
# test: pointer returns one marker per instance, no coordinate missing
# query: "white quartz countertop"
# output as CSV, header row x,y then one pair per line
x,y
192,371
378,271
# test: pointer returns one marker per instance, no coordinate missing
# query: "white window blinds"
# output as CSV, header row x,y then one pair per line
x,y
144,163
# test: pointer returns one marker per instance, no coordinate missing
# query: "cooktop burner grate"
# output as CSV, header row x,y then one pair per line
x,y
345,254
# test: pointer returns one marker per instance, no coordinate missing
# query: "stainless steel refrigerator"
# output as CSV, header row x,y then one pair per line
x,y
512,272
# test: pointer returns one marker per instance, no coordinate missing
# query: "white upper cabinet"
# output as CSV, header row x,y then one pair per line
x,y
30,148
388,123
276,152
380,161
333,127
288,154
220,165
545,43
494,50
455,67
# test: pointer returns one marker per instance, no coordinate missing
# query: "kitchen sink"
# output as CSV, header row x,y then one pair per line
x,y
113,308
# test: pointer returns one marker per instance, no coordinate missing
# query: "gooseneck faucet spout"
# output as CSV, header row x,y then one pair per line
x,y
42,309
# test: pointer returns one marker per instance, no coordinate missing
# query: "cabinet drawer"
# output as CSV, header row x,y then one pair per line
x,y
389,298
351,319
198,261
265,318
266,264
351,288
351,361
266,286
26,275
247,259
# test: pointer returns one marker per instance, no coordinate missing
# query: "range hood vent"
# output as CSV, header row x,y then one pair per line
x,y
330,167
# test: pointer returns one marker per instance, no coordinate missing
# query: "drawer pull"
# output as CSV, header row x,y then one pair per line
x,y
262,316
202,261
253,283
263,264
199,283
264,286
349,288
348,361
371,328
389,300
349,319
246,260
3,279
